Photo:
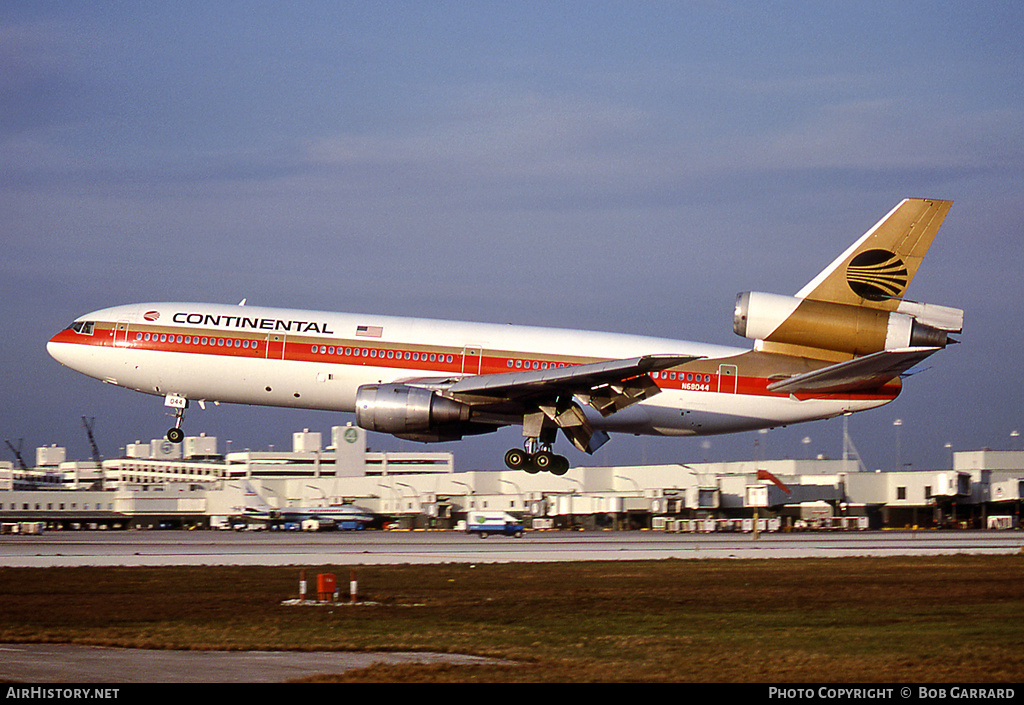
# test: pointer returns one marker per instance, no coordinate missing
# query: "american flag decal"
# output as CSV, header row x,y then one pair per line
x,y
369,331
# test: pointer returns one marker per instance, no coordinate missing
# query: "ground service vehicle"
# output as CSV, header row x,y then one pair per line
x,y
486,523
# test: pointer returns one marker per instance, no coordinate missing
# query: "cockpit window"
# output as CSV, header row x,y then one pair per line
x,y
83,327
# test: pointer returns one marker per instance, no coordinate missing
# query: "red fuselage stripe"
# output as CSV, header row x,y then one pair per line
x,y
424,359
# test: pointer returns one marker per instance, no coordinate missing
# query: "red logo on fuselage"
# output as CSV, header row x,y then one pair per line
x,y
151,315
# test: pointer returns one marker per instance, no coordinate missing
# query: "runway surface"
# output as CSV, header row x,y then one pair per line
x,y
272,548
73,663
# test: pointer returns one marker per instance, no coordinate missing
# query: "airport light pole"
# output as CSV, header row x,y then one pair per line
x,y
322,493
414,495
898,424
636,484
758,447
402,484
398,501
574,492
639,493
468,487
519,492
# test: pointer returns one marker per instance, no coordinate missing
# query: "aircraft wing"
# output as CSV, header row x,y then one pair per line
x,y
546,397
867,372
607,386
549,399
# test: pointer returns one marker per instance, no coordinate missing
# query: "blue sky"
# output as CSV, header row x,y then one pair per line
x,y
608,165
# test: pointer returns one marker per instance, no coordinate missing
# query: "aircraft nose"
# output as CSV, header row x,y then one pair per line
x,y
58,346
54,348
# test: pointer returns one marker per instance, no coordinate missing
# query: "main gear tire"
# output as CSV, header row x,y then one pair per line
x,y
517,459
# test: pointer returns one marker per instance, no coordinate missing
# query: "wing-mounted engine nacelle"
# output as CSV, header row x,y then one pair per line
x,y
858,330
413,413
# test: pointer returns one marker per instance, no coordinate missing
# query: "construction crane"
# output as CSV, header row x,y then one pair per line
x,y
17,452
88,423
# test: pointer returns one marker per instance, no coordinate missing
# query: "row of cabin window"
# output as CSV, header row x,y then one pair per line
x,y
688,377
323,349
389,354
196,340
533,364
536,365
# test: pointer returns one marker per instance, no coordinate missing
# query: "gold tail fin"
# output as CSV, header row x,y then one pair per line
x,y
855,306
877,269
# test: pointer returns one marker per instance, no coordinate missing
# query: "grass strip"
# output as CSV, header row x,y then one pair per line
x,y
907,619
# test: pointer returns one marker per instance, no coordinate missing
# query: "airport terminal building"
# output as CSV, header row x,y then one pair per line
x,y
161,485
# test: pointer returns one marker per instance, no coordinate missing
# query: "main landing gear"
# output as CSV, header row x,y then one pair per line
x,y
534,461
540,428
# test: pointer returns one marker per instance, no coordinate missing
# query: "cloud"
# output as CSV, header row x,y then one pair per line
x,y
498,132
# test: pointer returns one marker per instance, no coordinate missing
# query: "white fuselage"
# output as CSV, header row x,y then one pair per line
x,y
317,360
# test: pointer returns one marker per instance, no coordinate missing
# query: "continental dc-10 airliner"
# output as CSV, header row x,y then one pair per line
x,y
840,345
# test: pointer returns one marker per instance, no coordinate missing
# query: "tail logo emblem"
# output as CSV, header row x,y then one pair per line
x,y
877,275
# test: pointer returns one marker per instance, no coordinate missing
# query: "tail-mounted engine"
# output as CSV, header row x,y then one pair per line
x,y
858,330
413,413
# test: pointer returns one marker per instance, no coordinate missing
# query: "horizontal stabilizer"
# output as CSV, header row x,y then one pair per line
x,y
867,372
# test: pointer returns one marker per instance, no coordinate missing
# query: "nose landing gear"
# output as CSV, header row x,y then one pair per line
x,y
179,404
